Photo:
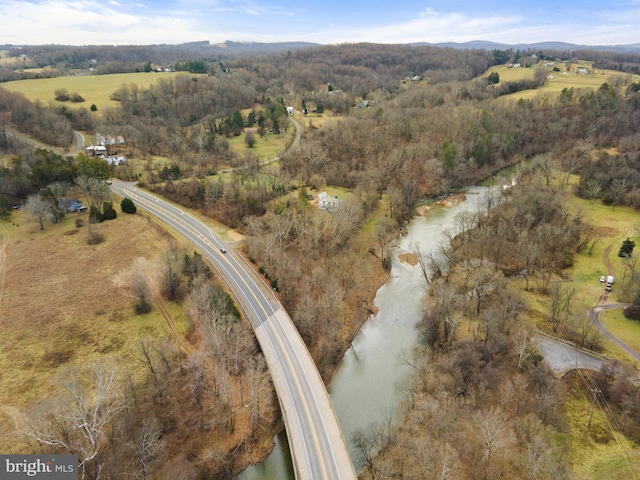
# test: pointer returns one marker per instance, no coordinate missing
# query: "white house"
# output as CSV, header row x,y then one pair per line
x,y
119,160
328,203
292,111
96,150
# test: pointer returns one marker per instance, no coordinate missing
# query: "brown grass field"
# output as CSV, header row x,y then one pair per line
x,y
66,303
95,89
568,77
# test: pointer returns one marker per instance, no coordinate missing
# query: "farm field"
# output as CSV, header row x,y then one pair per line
x,y
560,80
95,89
73,315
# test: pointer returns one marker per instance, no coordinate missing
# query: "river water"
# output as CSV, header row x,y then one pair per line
x,y
369,383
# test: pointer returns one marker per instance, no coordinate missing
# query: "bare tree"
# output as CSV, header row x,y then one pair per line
x,y
145,447
592,190
38,208
81,426
95,191
493,434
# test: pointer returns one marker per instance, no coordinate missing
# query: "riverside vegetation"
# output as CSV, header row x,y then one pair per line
x,y
414,140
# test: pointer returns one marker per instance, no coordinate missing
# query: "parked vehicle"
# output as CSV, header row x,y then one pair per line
x,y
609,283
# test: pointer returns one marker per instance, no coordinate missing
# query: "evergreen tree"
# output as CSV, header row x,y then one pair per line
x,y
627,248
127,205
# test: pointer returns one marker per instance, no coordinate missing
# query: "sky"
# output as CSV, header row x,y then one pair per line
x,y
143,22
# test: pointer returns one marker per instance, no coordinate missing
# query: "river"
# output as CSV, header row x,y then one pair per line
x,y
369,383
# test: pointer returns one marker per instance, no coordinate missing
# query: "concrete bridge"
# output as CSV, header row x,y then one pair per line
x,y
318,447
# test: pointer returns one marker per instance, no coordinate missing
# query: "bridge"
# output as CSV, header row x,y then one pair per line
x,y
318,447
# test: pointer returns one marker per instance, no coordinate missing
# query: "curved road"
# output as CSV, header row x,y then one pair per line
x,y
318,448
594,316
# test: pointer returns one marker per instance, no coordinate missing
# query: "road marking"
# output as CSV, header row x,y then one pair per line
x,y
194,231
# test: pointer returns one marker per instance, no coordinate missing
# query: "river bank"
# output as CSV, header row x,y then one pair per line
x,y
368,384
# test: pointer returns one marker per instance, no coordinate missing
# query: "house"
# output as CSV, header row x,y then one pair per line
x,y
292,111
75,205
363,104
118,160
95,150
328,203
513,65
104,140
583,71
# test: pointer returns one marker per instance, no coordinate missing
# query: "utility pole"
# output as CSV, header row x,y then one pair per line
x,y
595,392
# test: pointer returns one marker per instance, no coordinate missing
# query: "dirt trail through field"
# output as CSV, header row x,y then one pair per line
x,y
175,331
4,241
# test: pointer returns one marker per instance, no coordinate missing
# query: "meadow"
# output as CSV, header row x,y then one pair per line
x,y
567,77
95,89
67,304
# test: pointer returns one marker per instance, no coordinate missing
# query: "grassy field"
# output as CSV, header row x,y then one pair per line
x,y
95,89
622,327
266,147
66,303
567,77
596,453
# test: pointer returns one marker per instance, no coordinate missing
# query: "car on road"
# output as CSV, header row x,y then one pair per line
x,y
223,250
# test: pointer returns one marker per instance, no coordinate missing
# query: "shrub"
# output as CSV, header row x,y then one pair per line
x,y
79,223
95,215
142,305
127,205
108,211
94,237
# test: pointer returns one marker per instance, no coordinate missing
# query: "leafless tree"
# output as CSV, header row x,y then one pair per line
x,y
593,189
95,191
145,447
81,425
38,208
493,434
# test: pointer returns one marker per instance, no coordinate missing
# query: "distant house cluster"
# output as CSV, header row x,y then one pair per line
x,y
328,203
107,140
104,143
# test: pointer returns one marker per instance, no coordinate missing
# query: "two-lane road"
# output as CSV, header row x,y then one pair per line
x,y
318,448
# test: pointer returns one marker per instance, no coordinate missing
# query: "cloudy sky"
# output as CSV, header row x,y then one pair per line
x,y
117,22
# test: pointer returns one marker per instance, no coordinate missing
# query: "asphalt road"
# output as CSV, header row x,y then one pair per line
x,y
318,448
594,316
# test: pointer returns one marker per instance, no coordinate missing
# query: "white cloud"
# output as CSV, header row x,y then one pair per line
x,y
85,22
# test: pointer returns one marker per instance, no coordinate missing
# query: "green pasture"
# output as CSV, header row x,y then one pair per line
x,y
596,453
95,89
267,147
626,330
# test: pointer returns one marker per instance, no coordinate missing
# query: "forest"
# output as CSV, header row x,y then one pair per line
x,y
413,141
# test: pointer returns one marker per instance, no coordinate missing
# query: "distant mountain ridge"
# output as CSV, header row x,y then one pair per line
x,y
487,45
232,48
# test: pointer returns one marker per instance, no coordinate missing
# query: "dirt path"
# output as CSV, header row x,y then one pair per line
x,y
175,331
4,241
